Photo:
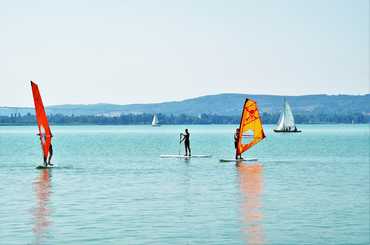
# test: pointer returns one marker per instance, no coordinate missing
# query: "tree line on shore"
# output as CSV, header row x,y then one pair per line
x,y
146,118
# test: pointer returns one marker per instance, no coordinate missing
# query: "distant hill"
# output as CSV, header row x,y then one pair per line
x,y
221,104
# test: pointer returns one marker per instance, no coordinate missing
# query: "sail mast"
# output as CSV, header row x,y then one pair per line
x,y
286,113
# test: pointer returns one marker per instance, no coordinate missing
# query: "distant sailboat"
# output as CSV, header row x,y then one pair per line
x,y
155,122
286,122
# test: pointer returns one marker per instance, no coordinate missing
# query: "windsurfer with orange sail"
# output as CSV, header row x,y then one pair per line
x,y
250,131
236,142
43,126
250,128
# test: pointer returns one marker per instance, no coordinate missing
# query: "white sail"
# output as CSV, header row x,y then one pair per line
x,y
286,120
280,124
155,121
289,119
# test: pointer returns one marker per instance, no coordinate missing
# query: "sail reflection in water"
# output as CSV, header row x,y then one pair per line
x,y
251,185
42,211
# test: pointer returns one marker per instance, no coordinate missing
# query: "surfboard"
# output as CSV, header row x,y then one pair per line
x,y
240,160
186,157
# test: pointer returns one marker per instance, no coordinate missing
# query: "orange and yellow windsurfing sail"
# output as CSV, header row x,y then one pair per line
x,y
250,129
42,120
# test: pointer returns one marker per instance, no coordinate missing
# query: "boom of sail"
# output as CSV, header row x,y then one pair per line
x,y
286,122
42,120
251,130
155,121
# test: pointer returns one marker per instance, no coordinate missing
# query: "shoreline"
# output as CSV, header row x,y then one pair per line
x,y
148,124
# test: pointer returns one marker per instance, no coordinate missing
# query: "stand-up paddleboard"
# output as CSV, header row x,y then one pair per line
x,y
240,160
42,123
250,131
186,157
45,167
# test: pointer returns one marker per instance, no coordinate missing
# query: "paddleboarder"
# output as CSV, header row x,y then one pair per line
x,y
186,139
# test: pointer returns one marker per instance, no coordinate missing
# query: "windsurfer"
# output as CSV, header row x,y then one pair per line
x,y
47,159
50,155
186,139
43,125
236,142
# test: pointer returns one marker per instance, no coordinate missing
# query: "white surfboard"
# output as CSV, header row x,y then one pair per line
x,y
186,157
240,160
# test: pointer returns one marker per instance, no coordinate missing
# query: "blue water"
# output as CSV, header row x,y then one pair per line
x,y
111,187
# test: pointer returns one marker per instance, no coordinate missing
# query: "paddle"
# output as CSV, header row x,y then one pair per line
x,y
180,145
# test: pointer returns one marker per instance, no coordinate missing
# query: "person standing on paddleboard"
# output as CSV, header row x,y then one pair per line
x,y
186,139
236,142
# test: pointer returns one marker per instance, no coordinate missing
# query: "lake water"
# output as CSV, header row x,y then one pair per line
x,y
111,187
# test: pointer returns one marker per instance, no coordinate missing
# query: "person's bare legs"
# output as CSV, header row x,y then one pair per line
x,y
49,159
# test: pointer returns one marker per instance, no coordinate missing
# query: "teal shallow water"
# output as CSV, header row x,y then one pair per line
x,y
111,187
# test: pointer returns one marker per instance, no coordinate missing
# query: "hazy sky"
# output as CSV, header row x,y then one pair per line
x,y
133,51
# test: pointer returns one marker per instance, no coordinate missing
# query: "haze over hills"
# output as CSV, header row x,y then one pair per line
x,y
221,104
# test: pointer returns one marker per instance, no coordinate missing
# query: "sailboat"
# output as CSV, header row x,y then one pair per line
x,y
42,122
155,122
250,130
286,122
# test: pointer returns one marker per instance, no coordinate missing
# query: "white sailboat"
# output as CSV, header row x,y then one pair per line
x,y
286,122
155,122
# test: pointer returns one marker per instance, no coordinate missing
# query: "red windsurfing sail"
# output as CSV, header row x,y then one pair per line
x,y
251,130
42,120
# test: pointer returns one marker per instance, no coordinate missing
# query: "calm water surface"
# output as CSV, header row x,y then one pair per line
x,y
111,187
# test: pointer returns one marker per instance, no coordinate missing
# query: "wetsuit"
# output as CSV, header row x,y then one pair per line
x,y
236,141
187,144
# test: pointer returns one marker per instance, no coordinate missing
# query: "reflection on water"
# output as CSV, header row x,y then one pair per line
x,y
251,186
41,214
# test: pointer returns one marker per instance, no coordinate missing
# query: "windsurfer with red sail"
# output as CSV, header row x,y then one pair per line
x,y
47,159
50,154
43,125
